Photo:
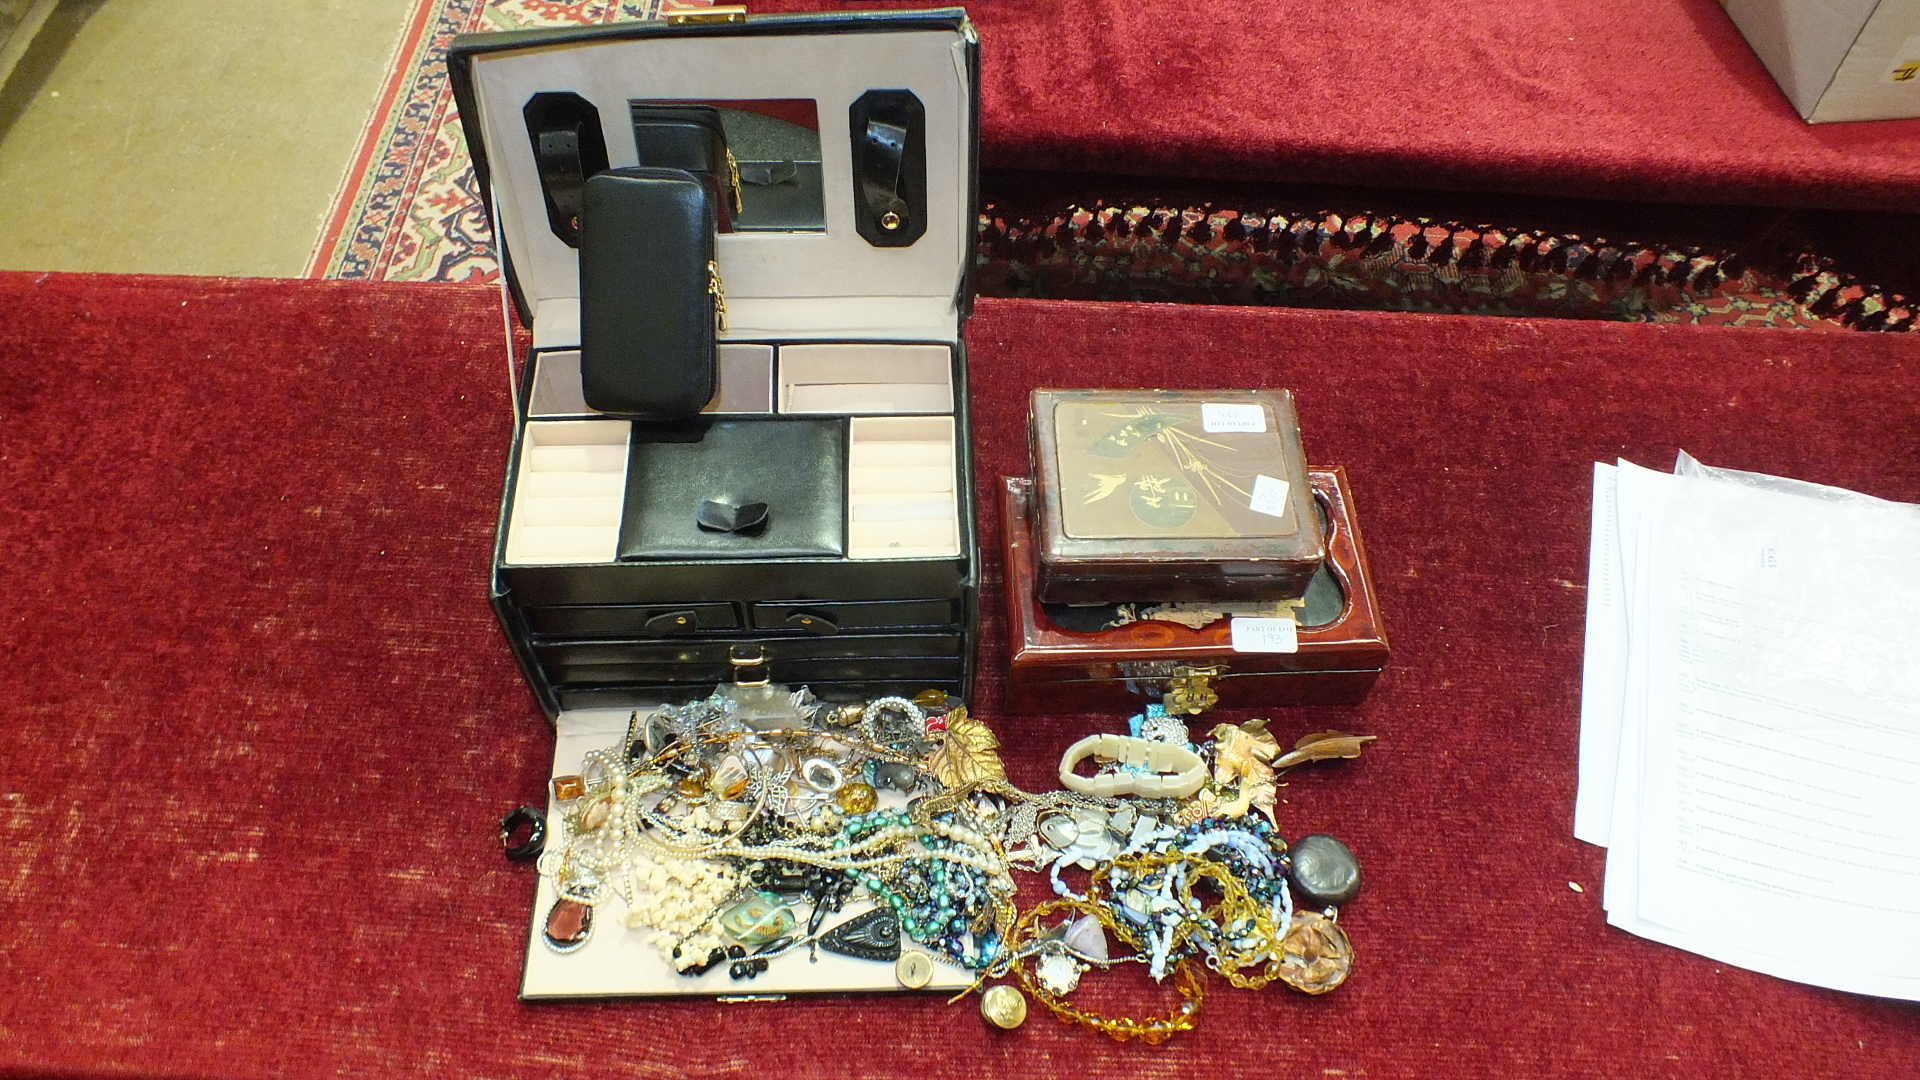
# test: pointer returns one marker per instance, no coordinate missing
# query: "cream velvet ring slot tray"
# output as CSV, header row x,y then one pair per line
x,y
902,478
572,487
845,380
901,501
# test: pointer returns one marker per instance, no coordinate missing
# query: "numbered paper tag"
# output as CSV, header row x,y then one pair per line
x,y
1906,63
1269,496
1265,635
1219,417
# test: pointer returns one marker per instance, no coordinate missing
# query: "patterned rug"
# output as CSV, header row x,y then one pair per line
x,y
409,210
1366,261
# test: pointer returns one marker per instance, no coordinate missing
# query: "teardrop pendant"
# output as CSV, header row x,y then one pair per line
x,y
569,925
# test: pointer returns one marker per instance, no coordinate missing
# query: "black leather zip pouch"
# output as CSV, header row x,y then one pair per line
x,y
650,299
689,137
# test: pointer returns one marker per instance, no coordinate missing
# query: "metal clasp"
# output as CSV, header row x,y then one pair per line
x,y
718,290
745,660
1190,689
729,13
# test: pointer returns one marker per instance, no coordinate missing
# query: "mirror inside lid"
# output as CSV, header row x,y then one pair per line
x,y
840,148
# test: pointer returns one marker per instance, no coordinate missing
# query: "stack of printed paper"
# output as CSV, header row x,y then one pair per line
x,y
1750,723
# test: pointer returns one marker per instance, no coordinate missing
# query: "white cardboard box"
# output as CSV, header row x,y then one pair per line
x,y
1838,59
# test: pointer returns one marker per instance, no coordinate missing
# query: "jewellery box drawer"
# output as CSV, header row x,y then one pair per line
x,y
667,582
631,620
829,617
633,695
896,670
788,659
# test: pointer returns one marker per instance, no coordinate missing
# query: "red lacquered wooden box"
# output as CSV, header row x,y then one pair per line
x,y
1342,644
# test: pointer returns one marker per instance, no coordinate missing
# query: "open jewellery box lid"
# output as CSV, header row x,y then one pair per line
x,y
829,283
820,284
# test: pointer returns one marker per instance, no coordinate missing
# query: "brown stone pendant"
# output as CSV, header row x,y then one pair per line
x,y
1315,954
569,925
568,788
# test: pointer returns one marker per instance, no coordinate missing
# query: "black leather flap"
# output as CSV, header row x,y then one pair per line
x,y
844,615
790,473
647,309
631,620
689,137
686,137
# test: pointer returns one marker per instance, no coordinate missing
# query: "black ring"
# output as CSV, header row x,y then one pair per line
x,y
536,822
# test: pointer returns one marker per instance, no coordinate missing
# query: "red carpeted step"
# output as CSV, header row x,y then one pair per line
x,y
1654,100
259,723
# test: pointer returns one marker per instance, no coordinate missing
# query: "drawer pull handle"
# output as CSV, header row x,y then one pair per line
x,y
673,624
812,623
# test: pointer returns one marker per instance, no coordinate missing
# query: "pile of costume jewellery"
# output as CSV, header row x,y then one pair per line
x,y
732,830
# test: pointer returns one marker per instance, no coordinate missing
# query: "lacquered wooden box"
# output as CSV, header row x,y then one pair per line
x,y
1170,495
1342,645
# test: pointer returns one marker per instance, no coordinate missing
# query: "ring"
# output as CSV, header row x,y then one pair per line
x,y
912,715
536,823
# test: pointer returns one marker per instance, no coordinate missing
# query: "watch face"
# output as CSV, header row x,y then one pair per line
x,y
1173,468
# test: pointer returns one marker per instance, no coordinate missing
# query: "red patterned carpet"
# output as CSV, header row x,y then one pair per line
x,y
1385,262
259,722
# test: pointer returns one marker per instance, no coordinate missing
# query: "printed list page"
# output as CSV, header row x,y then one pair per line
x,y
1781,765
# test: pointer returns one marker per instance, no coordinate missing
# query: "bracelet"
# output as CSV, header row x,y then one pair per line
x,y
536,823
1173,772
909,722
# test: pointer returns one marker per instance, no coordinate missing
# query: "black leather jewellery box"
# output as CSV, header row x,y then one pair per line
x,y
742,438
